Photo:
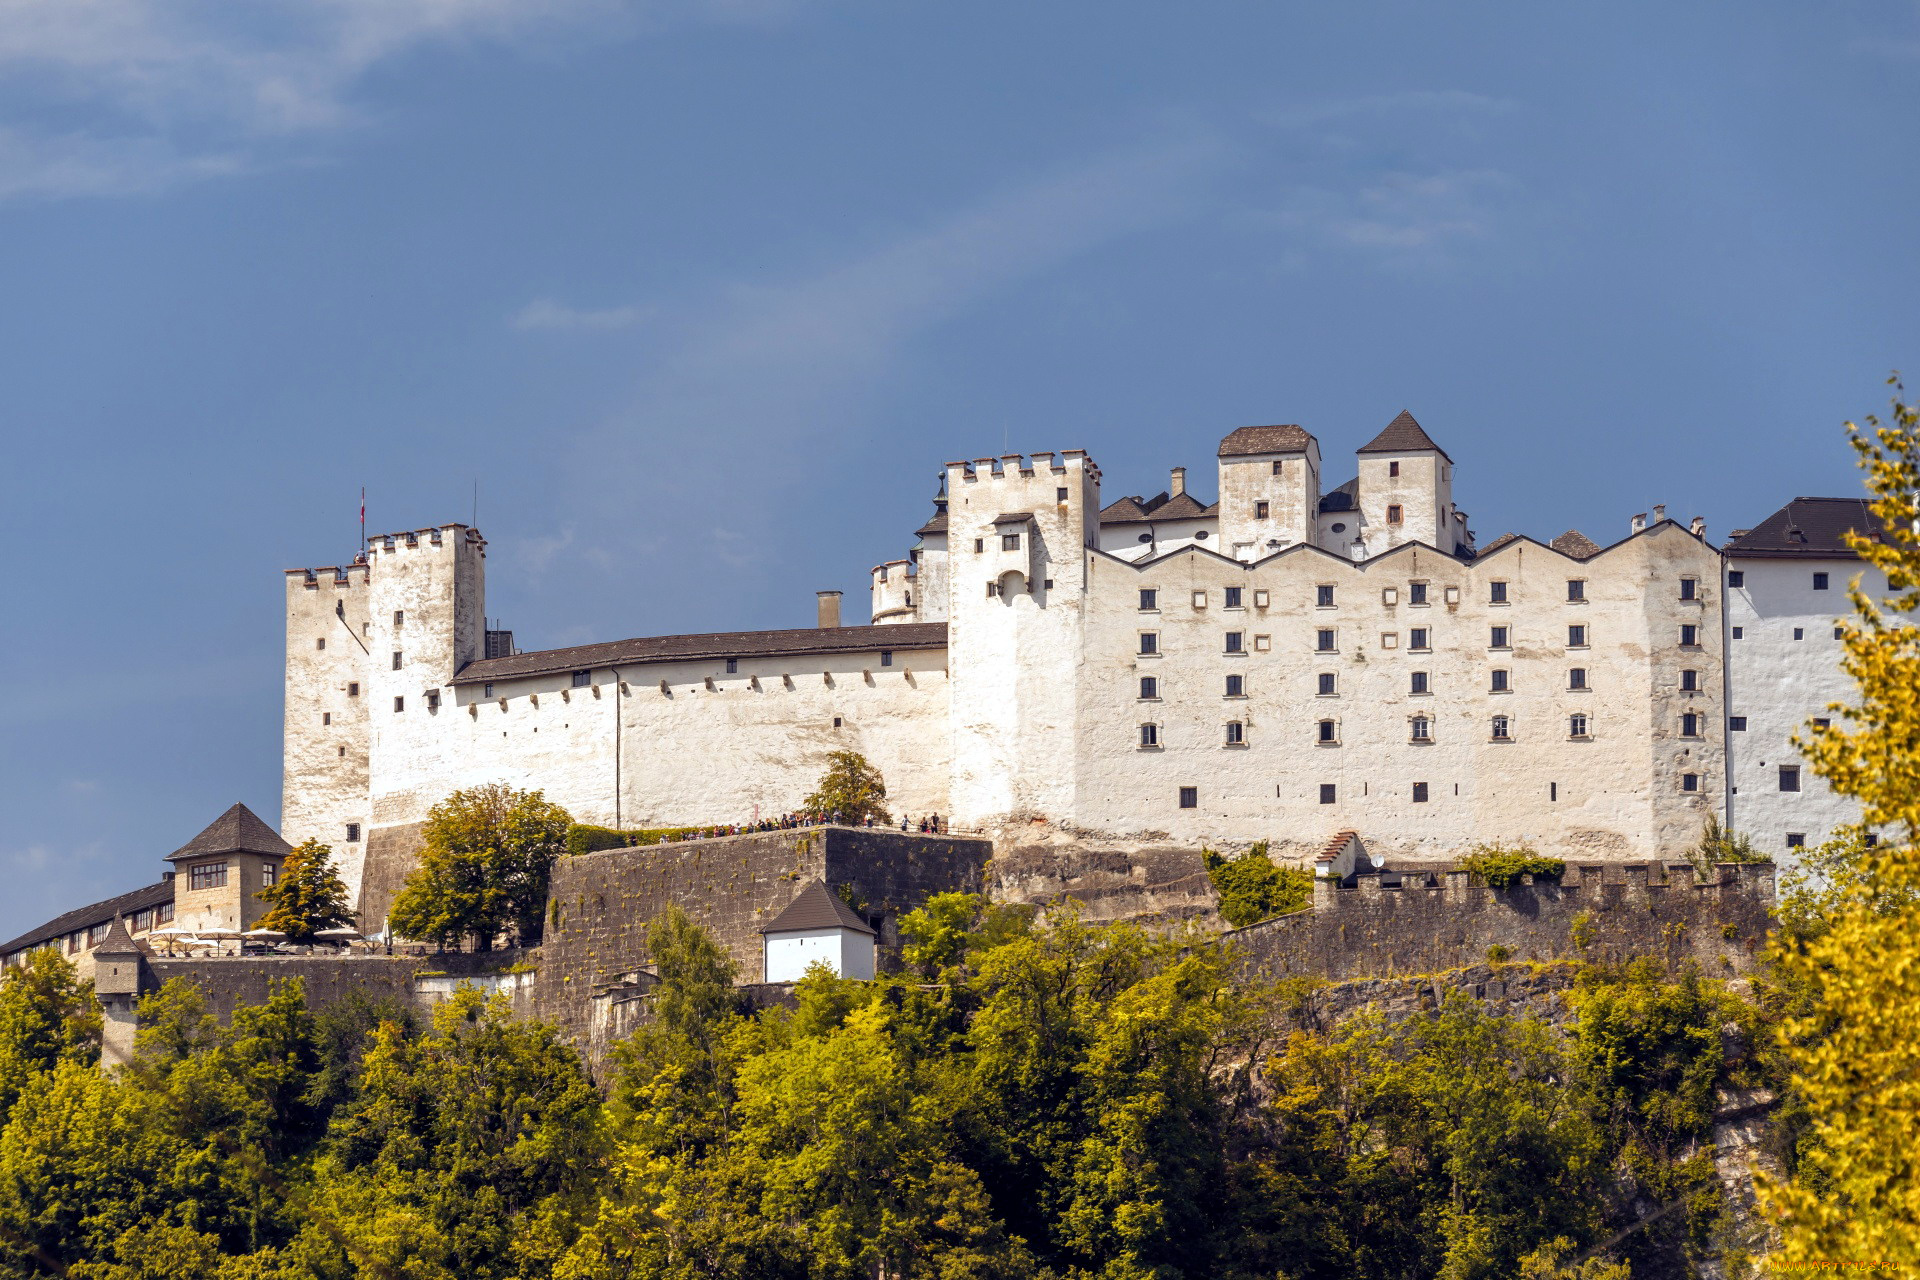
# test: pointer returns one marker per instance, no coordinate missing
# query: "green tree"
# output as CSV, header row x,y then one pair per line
x,y
851,790
1252,888
483,872
308,895
47,1016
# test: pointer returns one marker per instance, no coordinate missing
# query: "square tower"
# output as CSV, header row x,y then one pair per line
x,y
1269,490
1406,490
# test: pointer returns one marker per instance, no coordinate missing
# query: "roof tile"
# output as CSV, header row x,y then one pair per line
x,y
815,908
722,644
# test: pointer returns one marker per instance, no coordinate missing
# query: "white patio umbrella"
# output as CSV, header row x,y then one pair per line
x,y
264,935
219,933
338,935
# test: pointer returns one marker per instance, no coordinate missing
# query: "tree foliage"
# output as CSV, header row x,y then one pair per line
x,y
1500,866
307,896
484,869
851,790
1252,888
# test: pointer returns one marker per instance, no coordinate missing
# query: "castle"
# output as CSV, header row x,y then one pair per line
x,y
1287,662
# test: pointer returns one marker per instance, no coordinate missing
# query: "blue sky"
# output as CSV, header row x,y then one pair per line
x,y
701,294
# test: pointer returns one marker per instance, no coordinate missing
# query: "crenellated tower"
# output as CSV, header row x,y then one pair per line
x,y
325,754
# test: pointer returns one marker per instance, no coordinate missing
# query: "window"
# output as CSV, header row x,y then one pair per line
x,y
1498,638
1417,638
399,704
1689,681
1236,733
1502,729
1553,791
208,875
733,665
979,545
1236,642
1822,722
1389,639
1419,793
1149,599
1737,724
433,699
1199,599
1501,679
1736,578
1819,582
1149,687
268,874
1576,589
1690,635
1059,495
581,679
1233,597
487,689
1149,735
1329,731
1236,686
1689,782
1576,637
1393,514
1009,542
342,751
1738,632
1418,682
1577,726
399,617
1690,725
1799,633
1796,839
1260,511
886,660
1839,633
1576,677
1689,588
1323,640
1189,797
1416,593
97,933
1393,468
1420,729
396,660
1328,792
1149,642
1259,599
1323,596
836,722
1789,777
1327,688
1496,593
326,717
320,643
1279,467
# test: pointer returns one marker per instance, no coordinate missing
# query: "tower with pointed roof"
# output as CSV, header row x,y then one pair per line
x,y
219,872
1405,492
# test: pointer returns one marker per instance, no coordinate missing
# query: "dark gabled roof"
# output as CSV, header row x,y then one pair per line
x,y
1575,544
1287,438
1342,499
815,908
1808,527
1014,517
1498,543
118,941
94,913
722,644
938,524
1138,510
1402,435
235,831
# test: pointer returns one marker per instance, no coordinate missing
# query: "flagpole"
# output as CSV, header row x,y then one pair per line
x,y
363,521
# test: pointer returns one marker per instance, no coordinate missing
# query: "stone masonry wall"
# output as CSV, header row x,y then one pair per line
x,y
1372,931
231,982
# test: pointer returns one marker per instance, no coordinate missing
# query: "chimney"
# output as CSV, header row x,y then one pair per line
x,y
1699,527
1659,512
1179,485
829,608
1638,523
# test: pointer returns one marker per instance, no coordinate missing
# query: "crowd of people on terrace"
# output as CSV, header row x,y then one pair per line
x,y
929,824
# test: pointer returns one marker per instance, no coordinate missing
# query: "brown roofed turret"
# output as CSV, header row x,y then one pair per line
x,y
1403,435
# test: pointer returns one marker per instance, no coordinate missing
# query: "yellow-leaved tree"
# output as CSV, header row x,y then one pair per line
x,y
1855,1197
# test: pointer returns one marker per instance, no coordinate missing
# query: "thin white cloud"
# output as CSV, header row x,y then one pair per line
x,y
546,314
1375,106
1406,216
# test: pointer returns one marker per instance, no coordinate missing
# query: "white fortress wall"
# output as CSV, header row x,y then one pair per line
x,y
325,757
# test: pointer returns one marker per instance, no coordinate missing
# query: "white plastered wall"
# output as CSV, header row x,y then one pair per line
x,y
325,747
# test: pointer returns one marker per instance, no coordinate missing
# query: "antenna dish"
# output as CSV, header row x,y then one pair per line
x,y
1377,859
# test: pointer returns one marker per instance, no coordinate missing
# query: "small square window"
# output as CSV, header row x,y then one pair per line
x,y
1576,637
1738,632
399,617
886,660
1819,582
1059,495
1236,733
733,664
1416,593
1262,643
1501,680
1279,468
1417,682
1796,839
353,833
1789,777
1419,793
1498,638
1327,687
1189,797
837,722
1149,598
1736,578
1149,687
1233,597
1199,599
1323,596
1689,588
433,699
1323,640
343,753
581,679
1799,633
1389,639
396,661
320,643
1420,729
1690,725
486,690
1393,514
1822,722
1577,726
1260,510
1502,729
1496,593
1009,542
1576,677
1329,792
1236,642
1839,633
979,545
1149,735
1393,468
399,704
1689,782
1236,686
1149,642
1329,731
1737,724
1690,635
1689,681
326,717
1576,589
1259,599
1417,638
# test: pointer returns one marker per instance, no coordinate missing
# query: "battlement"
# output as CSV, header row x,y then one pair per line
x,y
1053,461
338,575
433,536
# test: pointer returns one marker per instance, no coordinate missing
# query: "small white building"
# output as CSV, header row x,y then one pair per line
x,y
817,928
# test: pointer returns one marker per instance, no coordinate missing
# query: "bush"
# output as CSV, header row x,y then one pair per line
x,y
584,838
1251,888
1500,867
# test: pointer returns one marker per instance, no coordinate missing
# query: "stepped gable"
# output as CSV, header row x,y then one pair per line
x,y
1286,438
237,830
815,908
1403,435
93,913
1575,545
798,642
1814,527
